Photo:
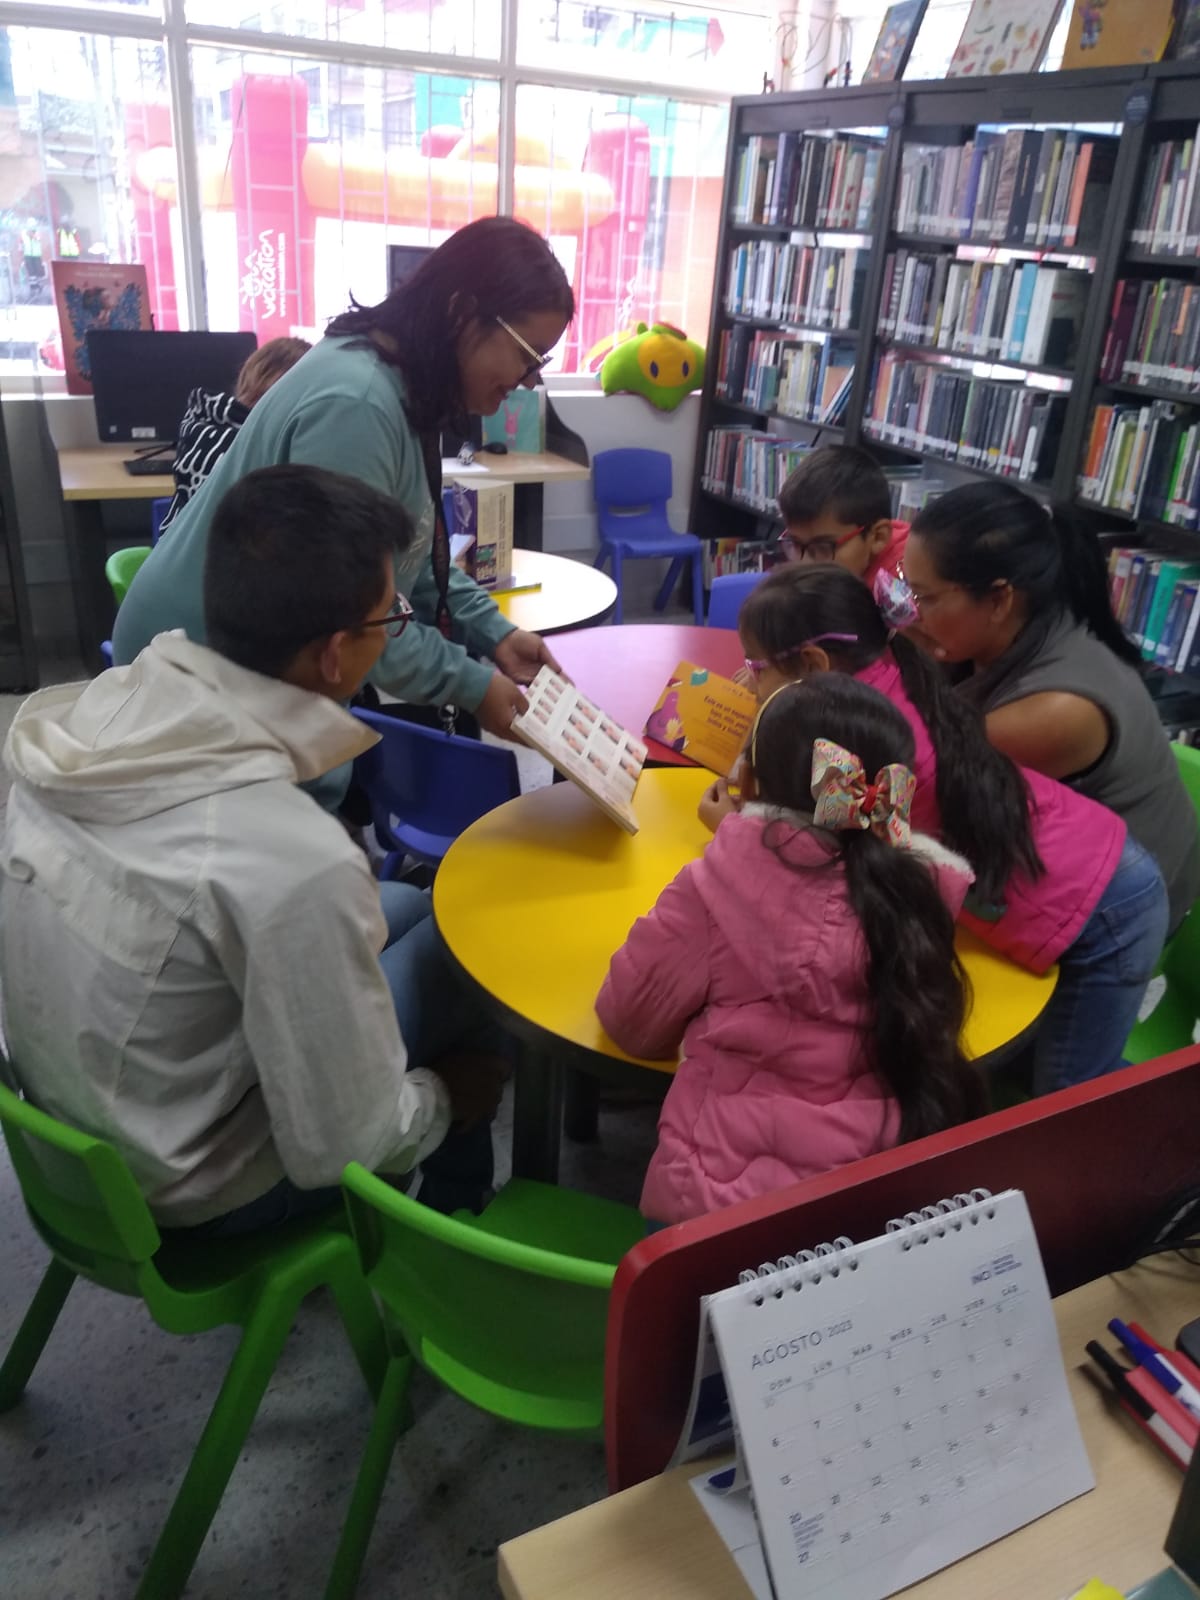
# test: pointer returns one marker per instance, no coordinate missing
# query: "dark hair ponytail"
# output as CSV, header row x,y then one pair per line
x,y
987,533
917,986
981,795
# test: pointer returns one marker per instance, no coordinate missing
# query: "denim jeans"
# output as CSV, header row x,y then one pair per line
x,y
1103,976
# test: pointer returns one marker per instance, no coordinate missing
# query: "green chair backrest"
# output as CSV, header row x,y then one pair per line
x,y
515,1329
122,568
1188,758
81,1197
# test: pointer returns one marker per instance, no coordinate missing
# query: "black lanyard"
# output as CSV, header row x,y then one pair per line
x,y
431,450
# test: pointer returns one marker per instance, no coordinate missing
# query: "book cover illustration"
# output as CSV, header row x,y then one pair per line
x,y
1004,36
703,716
96,295
897,35
1116,33
518,423
584,743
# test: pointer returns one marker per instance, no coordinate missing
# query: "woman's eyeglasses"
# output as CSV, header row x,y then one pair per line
x,y
818,638
537,363
397,619
819,549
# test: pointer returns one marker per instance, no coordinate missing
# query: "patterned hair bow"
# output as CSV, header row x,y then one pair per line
x,y
844,798
895,600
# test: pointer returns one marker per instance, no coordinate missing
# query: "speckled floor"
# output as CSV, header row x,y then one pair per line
x,y
90,1459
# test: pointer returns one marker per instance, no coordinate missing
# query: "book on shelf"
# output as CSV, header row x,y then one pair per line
x,y
1153,336
725,556
1144,461
808,286
1166,220
1185,42
1003,36
703,715
803,180
998,426
1003,311
1156,599
584,744
805,379
1020,187
748,466
911,490
1117,33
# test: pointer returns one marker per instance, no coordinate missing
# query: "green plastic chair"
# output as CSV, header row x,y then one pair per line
x,y
122,568
507,1309
1172,1023
82,1200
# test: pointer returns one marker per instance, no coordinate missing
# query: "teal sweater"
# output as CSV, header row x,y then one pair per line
x,y
341,407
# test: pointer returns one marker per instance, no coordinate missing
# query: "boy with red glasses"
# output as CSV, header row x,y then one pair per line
x,y
836,506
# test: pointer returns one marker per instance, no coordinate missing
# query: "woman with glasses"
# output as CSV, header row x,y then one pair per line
x,y
475,321
1019,595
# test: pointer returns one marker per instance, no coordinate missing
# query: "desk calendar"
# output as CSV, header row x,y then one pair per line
x,y
899,1403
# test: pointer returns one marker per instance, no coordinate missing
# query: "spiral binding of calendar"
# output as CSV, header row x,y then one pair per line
x,y
776,1278
948,1216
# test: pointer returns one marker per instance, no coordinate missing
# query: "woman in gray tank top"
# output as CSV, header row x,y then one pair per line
x,y
1021,595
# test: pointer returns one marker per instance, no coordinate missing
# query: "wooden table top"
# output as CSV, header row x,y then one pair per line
x,y
98,473
654,1542
572,594
625,669
551,861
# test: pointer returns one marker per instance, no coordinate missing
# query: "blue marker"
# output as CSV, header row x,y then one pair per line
x,y
1157,1366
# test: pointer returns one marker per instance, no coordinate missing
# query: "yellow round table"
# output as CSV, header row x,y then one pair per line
x,y
534,898
569,594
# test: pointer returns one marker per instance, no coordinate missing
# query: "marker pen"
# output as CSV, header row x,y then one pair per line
x,y
1142,1412
1183,1365
1160,1367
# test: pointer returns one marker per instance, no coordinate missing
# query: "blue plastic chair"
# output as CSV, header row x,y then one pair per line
x,y
726,595
425,787
158,510
632,488
106,652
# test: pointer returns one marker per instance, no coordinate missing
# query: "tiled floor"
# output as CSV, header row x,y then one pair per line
x,y
90,1459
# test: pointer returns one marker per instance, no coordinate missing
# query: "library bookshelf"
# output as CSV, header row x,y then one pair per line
x,y
989,277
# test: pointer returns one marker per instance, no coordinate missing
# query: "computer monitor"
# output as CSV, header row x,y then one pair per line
x,y
403,261
141,381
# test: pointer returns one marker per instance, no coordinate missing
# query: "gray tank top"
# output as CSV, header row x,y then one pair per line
x,y
1137,776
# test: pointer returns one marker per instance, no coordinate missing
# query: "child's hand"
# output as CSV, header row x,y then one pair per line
x,y
717,803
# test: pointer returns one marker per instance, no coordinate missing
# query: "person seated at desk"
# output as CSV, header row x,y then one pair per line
x,y
211,422
190,948
805,964
470,325
1058,878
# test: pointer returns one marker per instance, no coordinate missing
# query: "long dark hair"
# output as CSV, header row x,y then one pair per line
x,y
495,267
981,795
984,533
914,978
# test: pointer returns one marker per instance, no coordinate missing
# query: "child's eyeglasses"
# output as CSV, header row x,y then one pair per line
x,y
818,638
819,549
536,364
397,619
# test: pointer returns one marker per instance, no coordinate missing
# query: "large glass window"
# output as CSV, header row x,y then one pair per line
x,y
693,44
628,190
309,171
444,27
86,158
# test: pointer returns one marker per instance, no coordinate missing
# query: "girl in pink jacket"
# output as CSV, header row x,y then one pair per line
x,y
1058,878
805,964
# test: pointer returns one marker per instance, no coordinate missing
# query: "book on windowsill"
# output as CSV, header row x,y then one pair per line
x,y
703,716
584,744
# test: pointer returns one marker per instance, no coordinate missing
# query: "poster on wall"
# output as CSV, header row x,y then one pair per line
x,y
897,35
1118,33
96,295
1004,36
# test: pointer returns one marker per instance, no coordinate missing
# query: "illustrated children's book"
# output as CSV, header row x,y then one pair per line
x,y
587,746
897,35
704,716
482,532
1004,36
1115,33
89,295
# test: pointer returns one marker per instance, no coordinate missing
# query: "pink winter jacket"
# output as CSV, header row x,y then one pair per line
x,y
1078,840
760,971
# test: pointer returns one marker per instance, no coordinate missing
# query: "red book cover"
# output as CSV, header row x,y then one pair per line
x,y
96,295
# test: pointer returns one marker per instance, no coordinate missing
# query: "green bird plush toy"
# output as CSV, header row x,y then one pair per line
x,y
661,363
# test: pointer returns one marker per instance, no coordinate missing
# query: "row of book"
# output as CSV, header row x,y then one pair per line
x,y
1156,599
1011,311
723,556
1145,461
1167,219
1000,427
806,379
811,286
1027,186
1153,334
749,466
799,180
